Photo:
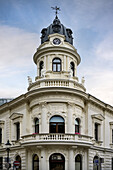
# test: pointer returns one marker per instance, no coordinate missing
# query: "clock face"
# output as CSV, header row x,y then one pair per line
x,y
56,41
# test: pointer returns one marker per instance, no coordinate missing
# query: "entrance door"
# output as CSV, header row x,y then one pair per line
x,y
57,162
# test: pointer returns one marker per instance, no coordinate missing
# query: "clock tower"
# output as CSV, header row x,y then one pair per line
x,y
56,59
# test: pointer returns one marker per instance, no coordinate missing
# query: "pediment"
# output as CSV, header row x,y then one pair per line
x,y
16,115
98,116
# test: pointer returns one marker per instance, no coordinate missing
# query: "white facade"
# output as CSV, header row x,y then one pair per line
x,y
27,121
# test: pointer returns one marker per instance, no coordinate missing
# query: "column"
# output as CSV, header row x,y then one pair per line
x,y
43,160
64,63
44,128
71,162
29,160
70,119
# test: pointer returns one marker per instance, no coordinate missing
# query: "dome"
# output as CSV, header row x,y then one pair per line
x,y
57,27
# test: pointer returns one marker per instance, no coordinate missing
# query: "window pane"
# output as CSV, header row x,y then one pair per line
x,y
18,130
1,163
58,67
56,60
0,135
60,128
54,67
56,119
53,128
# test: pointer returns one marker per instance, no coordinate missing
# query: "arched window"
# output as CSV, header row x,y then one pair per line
x,y
18,158
56,64
57,125
72,66
77,125
35,162
78,162
57,161
36,125
0,135
96,163
41,64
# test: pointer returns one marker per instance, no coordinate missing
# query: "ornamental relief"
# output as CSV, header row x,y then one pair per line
x,y
57,107
79,151
36,115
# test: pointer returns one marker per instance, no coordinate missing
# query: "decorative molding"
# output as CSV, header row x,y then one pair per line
x,y
98,116
15,116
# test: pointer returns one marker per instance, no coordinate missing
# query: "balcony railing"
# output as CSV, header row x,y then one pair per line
x,y
57,137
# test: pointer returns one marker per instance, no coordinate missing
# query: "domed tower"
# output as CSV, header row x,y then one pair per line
x,y
56,59
56,101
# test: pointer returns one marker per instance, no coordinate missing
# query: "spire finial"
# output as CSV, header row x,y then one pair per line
x,y
57,9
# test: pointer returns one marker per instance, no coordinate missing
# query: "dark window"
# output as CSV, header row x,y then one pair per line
x,y
35,162
36,125
112,135
1,163
96,131
18,158
96,163
57,161
77,125
57,125
17,131
56,65
112,163
72,68
0,135
40,67
78,162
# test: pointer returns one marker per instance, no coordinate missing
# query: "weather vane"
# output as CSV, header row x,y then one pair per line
x,y
57,9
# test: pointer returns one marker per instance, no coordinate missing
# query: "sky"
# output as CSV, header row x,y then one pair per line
x,y
91,21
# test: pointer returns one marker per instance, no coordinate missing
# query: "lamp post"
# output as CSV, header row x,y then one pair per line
x,y
8,149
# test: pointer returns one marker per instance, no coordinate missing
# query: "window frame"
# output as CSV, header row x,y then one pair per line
x,y
0,135
37,161
72,66
36,125
41,64
17,130
56,65
1,163
57,125
77,126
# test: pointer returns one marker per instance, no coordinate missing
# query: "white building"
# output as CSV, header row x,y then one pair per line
x,y
56,125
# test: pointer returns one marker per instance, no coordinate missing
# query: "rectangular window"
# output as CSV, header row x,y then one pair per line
x,y
112,163
112,136
96,131
17,131
0,135
1,163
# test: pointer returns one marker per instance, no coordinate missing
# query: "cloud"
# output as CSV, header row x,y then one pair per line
x,y
16,59
99,83
104,49
16,47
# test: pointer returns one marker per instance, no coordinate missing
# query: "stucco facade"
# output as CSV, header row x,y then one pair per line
x,y
27,121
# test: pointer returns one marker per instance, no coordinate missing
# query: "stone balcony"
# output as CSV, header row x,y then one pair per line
x,y
69,139
56,83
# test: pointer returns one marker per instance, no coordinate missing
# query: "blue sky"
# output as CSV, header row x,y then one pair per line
x,y
91,21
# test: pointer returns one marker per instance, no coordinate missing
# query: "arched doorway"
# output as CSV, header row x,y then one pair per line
x,y
56,162
78,162
18,158
35,162
96,163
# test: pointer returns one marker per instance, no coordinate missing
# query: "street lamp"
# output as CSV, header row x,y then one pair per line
x,y
8,149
